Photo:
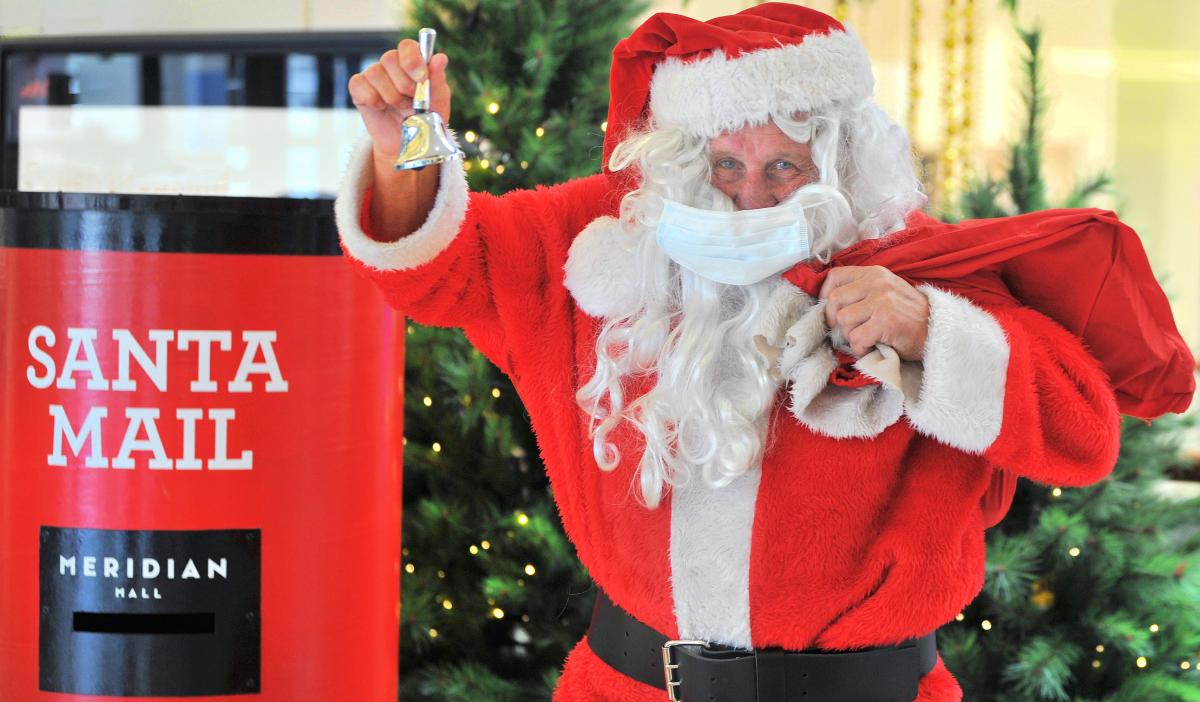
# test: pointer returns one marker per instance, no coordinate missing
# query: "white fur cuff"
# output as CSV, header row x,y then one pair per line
x,y
961,401
439,229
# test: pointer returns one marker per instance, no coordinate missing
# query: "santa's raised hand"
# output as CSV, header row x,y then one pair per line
x,y
871,305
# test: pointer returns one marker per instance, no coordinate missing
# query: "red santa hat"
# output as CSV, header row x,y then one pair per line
x,y
715,76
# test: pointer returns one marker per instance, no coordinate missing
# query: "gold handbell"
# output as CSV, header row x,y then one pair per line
x,y
424,139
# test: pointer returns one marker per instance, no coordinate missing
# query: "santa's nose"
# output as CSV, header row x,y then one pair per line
x,y
754,194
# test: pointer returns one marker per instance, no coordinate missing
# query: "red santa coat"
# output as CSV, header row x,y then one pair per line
x,y
836,542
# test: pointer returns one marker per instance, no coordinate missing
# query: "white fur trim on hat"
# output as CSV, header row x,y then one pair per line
x,y
961,402
439,229
601,269
718,94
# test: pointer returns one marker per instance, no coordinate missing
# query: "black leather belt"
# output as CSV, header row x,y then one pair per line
x,y
710,673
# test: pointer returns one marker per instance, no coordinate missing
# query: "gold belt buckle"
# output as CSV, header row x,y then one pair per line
x,y
669,667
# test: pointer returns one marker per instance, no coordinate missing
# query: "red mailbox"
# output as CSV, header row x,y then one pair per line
x,y
199,453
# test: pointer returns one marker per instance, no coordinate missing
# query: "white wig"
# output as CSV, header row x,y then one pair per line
x,y
708,411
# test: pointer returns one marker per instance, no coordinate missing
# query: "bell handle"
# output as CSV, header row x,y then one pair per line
x,y
426,38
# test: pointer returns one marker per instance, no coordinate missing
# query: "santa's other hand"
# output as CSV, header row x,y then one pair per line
x,y
871,305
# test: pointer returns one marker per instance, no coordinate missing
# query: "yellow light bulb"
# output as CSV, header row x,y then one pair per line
x,y
493,107
1057,492
437,448
1154,628
524,164
529,569
987,626
470,136
540,132
959,617
1099,648
441,573
485,544
428,401
522,519
604,126
410,568
1095,664
474,550
484,163
498,613
1074,551
447,604
499,169
1185,664
1142,662
495,392
433,633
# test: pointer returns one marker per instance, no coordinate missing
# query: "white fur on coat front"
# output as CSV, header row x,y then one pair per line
x,y
440,227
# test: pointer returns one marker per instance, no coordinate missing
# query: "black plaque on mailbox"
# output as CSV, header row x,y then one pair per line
x,y
150,613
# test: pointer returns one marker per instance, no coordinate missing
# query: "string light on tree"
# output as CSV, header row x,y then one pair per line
x,y
1154,628
495,392
474,550
985,625
447,604
1074,552
498,613
522,519
433,634
493,108
410,568
529,569
1056,492
1099,648
470,136
428,401
1142,662
437,447
540,132
485,544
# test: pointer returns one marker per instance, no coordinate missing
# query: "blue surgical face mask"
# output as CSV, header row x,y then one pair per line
x,y
735,248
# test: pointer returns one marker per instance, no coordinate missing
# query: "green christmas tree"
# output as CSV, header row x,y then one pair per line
x,y
1090,594
493,596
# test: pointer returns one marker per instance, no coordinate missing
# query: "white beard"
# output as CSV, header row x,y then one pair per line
x,y
708,412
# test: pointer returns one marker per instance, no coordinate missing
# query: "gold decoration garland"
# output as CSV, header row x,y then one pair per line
x,y
968,95
914,68
950,154
841,8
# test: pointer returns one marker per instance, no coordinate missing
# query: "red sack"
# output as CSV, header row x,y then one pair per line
x,y
1084,269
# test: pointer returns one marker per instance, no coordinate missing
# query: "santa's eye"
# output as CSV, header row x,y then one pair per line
x,y
782,165
726,163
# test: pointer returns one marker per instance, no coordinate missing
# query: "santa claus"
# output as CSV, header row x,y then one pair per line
x,y
775,459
